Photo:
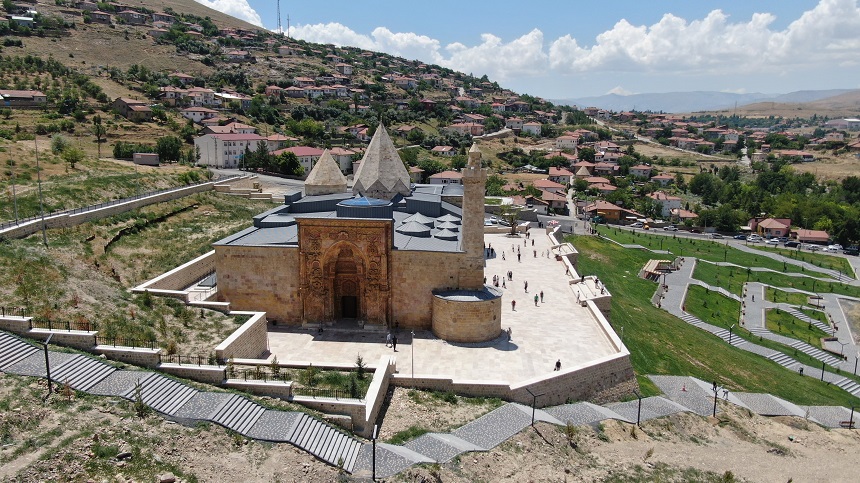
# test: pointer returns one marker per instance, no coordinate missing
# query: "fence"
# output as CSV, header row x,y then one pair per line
x,y
68,326
198,360
84,209
126,342
257,374
14,312
324,392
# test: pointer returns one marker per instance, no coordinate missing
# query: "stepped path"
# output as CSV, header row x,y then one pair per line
x,y
754,319
179,401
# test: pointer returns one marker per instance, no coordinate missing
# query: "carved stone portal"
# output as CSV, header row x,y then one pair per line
x,y
345,271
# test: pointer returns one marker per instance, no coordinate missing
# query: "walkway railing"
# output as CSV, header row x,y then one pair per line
x,y
126,342
195,360
323,392
14,312
84,209
85,325
258,374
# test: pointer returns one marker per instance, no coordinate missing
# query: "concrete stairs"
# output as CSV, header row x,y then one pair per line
x,y
14,350
238,413
325,442
809,320
81,372
161,393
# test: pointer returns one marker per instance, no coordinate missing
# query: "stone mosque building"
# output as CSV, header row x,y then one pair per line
x,y
385,253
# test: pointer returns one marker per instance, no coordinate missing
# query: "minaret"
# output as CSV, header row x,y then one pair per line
x,y
474,186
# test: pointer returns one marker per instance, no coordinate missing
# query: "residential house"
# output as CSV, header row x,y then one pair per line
x,y
596,180
132,17
771,227
88,6
537,204
819,237
796,154
850,124
560,175
444,150
197,114
19,98
237,55
667,202
515,124
641,171
97,16
182,77
416,175
307,155
132,109
605,210
583,169
603,188
405,82
273,91
834,137
162,17
225,150
344,69
278,141
447,177
304,81
557,202
474,118
201,96
680,215
663,179
607,169
157,33
471,129
225,98
532,128
549,185
343,157
566,142
287,50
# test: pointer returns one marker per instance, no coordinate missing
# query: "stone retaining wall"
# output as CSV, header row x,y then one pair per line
x,y
182,276
150,358
202,373
250,341
283,390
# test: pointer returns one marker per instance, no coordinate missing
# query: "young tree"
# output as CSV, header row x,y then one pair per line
x,y
99,131
73,156
510,214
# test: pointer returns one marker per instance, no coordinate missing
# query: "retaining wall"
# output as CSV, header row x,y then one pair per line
x,y
250,341
180,277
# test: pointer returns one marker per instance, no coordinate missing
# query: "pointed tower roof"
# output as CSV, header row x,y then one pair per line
x,y
381,173
325,177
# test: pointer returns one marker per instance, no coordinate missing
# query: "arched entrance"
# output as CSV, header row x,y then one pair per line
x,y
347,293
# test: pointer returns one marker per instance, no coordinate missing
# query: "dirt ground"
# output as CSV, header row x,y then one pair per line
x,y
81,439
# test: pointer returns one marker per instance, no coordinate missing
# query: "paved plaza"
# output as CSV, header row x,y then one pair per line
x,y
556,329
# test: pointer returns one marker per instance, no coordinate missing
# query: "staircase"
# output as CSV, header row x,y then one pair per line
x,y
14,350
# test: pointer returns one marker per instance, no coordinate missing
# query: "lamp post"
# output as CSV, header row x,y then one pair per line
x,y
856,357
716,391
730,333
534,403
413,354
842,351
48,366
373,439
822,371
639,408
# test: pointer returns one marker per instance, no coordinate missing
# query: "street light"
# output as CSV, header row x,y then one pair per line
x,y
856,357
534,402
48,366
730,333
842,351
375,433
639,408
413,354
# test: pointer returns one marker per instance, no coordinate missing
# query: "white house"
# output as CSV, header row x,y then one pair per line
x,y
532,128
198,114
667,202
447,177
225,150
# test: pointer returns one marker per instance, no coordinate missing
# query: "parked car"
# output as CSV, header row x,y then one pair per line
x,y
791,244
638,224
754,238
772,241
715,235
670,228
852,250
835,246
830,249
740,236
783,239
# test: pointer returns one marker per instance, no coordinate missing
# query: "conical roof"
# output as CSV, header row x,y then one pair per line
x,y
450,219
418,217
381,173
446,235
325,177
413,228
446,225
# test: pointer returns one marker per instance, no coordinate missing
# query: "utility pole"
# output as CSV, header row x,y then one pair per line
x,y
41,203
280,30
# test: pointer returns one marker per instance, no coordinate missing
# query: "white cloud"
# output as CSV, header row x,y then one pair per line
x,y
823,37
619,91
237,8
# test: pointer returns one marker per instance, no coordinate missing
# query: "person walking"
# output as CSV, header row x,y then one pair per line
x,y
503,284
388,340
519,257
526,286
514,305
541,296
394,343
536,299
557,365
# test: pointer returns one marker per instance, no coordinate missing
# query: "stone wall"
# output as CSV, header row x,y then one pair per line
x,y
279,389
202,373
182,276
250,341
137,356
467,321
414,277
260,278
376,394
79,339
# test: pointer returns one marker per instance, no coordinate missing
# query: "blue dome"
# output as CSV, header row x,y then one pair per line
x,y
365,201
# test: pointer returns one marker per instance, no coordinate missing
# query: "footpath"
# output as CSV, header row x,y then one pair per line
x,y
180,402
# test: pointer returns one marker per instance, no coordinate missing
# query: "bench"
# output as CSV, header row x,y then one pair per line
x,y
846,424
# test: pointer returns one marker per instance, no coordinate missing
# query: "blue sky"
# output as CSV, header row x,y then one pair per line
x,y
565,49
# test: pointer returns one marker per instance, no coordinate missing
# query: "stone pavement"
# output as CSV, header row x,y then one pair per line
x,y
556,328
178,401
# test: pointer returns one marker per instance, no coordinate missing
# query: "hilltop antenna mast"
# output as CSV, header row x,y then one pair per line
x,y
280,29
288,25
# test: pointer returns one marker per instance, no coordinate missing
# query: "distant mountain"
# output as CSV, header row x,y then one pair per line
x,y
682,102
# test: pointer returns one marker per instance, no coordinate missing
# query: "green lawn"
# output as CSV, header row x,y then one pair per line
x,y
663,344
780,322
819,259
704,249
733,278
783,297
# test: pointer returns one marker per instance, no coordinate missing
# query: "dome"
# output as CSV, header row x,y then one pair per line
x,y
364,201
413,228
418,217
446,235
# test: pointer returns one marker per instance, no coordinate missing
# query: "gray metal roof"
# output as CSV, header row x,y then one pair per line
x,y
414,228
447,235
